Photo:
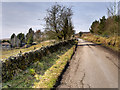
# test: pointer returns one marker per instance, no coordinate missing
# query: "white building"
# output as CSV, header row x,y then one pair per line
x,y
5,45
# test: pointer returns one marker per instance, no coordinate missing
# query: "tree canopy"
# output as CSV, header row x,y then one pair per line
x,y
106,27
21,37
13,35
59,23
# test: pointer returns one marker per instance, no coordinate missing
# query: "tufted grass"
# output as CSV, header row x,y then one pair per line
x,y
50,77
41,69
111,42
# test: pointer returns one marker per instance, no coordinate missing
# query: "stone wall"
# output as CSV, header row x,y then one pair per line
x,y
13,65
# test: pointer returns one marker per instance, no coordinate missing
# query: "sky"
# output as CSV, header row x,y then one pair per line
x,y
20,16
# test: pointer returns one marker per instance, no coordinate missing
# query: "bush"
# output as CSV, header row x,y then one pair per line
x,y
32,71
40,65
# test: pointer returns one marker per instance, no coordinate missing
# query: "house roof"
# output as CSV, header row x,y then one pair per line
x,y
5,43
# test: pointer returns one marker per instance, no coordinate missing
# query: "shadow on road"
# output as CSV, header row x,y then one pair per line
x,y
89,45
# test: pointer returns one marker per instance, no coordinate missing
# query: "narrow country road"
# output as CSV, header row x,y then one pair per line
x,y
92,66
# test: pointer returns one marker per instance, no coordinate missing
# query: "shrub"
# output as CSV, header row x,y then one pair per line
x,y
40,65
32,71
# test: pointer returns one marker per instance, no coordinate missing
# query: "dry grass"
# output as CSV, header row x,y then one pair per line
x,y
112,42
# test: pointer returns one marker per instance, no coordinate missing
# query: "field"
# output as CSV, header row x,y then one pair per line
x,y
7,53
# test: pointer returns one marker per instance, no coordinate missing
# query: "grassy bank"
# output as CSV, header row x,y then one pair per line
x,y
35,73
111,42
50,77
8,53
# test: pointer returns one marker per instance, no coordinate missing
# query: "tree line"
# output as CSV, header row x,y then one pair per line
x,y
58,26
22,39
107,26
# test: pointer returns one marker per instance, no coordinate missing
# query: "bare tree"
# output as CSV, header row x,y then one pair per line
x,y
58,21
112,9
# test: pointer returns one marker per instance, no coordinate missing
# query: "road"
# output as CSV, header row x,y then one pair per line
x,y
92,66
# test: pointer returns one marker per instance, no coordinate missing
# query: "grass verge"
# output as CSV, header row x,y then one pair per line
x,y
110,42
50,77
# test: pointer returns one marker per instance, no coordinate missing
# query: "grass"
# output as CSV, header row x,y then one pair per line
x,y
50,77
111,42
7,53
35,73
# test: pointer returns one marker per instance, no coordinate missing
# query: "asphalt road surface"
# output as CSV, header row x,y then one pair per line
x,y
92,66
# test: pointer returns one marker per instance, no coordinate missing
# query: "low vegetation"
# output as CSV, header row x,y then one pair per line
x,y
111,42
37,73
50,77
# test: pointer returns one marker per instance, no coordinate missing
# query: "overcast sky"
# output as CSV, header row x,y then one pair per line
x,y
19,17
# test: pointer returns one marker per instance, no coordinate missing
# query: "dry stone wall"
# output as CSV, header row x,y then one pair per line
x,y
14,64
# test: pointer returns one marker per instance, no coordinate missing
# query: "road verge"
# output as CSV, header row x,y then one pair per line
x,y
53,74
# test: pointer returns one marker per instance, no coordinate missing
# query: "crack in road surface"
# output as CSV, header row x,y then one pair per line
x,y
82,81
88,85
91,67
